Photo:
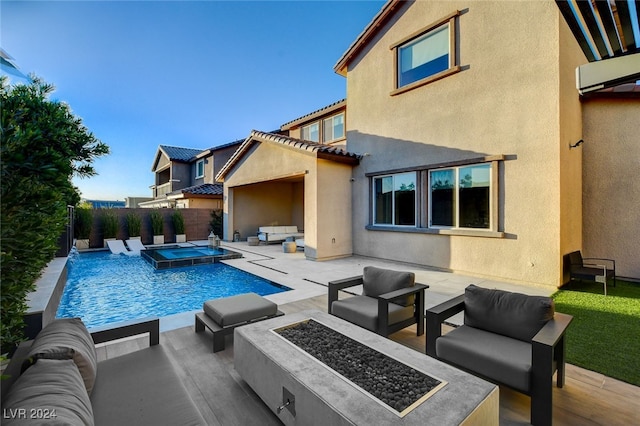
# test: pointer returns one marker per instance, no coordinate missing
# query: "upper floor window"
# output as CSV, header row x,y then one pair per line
x,y
333,128
311,132
199,169
460,197
395,199
426,56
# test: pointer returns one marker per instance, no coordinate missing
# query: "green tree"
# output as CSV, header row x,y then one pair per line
x,y
43,145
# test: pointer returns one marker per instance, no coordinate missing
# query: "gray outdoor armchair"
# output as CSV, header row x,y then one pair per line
x,y
390,301
592,269
510,338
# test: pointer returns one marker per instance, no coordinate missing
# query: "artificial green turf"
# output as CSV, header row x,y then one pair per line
x,y
605,333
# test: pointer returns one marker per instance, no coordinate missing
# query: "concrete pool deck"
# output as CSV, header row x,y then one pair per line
x,y
309,279
306,278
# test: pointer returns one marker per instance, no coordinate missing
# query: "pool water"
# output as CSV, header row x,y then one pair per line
x,y
103,288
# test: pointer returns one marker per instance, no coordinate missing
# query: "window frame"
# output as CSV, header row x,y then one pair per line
x,y
456,198
333,137
423,202
199,163
308,126
393,200
453,67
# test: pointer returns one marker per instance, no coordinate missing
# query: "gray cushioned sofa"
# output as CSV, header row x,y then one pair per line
x,y
57,379
509,338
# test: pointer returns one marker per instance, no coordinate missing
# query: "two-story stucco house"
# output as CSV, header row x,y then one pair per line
x,y
185,177
467,111
461,122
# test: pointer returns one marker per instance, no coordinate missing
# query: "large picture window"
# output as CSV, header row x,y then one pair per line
x,y
460,197
395,199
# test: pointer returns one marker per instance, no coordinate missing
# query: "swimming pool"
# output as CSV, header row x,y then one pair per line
x,y
103,288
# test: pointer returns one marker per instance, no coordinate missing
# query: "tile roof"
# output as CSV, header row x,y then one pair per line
x,y
324,110
202,189
176,153
328,152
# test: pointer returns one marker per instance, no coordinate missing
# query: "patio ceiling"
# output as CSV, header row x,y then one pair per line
x,y
608,34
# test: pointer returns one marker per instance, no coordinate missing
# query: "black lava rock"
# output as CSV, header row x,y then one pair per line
x,y
385,378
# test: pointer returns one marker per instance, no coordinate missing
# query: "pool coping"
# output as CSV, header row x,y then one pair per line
x,y
42,303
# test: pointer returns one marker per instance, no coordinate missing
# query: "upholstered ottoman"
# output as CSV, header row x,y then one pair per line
x,y
222,316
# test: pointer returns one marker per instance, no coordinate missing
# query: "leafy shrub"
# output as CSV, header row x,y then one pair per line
x,y
157,222
43,146
83,223
134,224
178,222
109,224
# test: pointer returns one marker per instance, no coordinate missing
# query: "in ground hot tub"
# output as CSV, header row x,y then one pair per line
x,y
176,256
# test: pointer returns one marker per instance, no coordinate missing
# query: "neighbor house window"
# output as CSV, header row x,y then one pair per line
x,y
333,128
199,169
395,199
427,55
311,132
460,197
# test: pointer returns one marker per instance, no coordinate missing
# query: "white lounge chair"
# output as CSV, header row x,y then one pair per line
x,y
135,246
117,246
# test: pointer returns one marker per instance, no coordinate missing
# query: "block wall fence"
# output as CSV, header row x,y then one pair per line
x,y
196,224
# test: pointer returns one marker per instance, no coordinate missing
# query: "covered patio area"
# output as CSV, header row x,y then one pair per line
x,y
275,180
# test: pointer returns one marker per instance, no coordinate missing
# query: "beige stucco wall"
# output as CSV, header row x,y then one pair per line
x,y
209,172
611,198
275,184
570,159
200,203
332,201
506,100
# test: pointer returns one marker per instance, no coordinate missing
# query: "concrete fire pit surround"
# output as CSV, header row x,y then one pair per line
x,y
274,367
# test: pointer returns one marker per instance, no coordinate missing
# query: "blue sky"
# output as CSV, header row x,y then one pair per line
x,y
192,74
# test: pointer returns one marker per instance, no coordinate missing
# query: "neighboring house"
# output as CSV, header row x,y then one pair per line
x,y
134,202
460,119
105,204
184,177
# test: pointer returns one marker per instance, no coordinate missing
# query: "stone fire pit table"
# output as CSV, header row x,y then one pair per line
x,y
279,371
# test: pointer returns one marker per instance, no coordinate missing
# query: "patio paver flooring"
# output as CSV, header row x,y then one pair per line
x,y
223,398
